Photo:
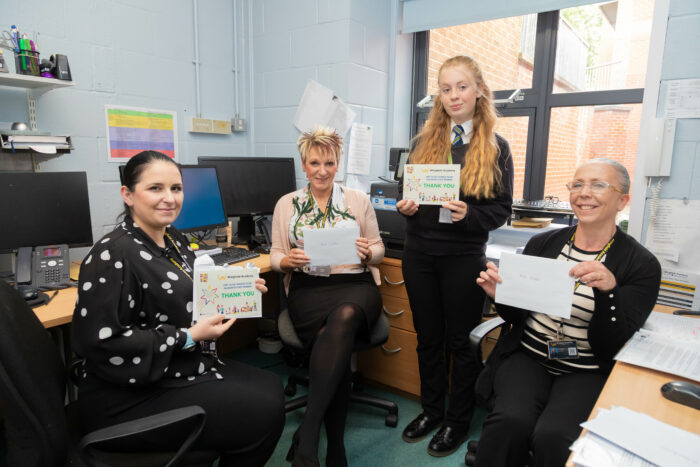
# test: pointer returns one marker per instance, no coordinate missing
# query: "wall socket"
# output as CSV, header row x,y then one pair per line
x,y
238,124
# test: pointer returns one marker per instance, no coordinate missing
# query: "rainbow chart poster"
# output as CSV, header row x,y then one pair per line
x,y
131,130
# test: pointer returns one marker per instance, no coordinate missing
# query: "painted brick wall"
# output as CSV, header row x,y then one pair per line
x,y
342,44
134,53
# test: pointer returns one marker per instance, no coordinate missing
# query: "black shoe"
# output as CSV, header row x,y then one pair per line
x,y
447,440
420,427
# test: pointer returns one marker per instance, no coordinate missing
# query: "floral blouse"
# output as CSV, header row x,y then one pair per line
x,y
134,306
309,215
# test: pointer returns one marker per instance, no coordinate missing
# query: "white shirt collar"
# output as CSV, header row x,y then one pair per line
x,y
466,126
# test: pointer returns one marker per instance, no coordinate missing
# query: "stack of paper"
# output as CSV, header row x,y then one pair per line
x,y
623,437
667,343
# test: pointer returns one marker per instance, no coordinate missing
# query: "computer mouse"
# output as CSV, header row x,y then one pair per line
x,y
682,392
27,292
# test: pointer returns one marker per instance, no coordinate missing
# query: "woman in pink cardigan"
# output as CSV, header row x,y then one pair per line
x,y
331,306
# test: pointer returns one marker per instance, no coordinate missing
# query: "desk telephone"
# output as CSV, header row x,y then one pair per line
x,y
43,266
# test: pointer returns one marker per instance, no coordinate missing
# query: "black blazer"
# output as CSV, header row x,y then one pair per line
x,y
618,313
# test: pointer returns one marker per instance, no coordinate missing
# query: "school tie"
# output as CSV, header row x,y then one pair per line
x,y
458,132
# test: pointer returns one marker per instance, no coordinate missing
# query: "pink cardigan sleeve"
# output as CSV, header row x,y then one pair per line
x,y
280,228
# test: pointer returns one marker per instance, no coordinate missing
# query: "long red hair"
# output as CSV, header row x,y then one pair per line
x,y
480,177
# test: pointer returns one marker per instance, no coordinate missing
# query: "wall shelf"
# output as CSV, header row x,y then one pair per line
x,y
32,82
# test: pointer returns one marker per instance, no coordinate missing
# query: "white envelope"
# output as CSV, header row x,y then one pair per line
x,y
331,247
536,284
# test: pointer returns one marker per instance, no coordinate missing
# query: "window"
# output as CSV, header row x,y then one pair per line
x,y
581,71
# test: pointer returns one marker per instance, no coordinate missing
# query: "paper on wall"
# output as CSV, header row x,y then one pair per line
x,y
318,106
675,233
683,99
679,288
358,182
225,290
360,152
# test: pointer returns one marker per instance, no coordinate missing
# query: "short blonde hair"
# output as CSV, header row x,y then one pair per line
x,y
322,137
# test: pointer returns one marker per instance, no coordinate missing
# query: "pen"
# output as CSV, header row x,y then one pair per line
x,y
15,36
34,62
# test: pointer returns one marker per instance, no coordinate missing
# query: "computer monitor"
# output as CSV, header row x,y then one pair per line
x,y
202,207
251,186
44,208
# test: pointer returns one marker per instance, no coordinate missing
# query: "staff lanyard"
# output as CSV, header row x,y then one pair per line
x,y
597,258
328,207
177,265
560,329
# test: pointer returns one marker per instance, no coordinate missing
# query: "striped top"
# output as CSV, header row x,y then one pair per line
x,y
540,328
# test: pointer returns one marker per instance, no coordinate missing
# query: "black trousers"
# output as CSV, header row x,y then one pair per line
x,y
445,300
245,414
536,411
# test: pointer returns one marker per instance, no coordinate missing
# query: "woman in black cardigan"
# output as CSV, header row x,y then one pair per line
x,y
539,402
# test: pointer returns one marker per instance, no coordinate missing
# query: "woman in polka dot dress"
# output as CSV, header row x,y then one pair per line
x,y
133,325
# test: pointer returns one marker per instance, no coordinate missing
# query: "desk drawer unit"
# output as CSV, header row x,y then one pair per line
x,y
392,278
395,363
398,313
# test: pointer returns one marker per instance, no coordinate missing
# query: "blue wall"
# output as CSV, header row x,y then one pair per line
x,y
133,53
342,44
682,61
140,53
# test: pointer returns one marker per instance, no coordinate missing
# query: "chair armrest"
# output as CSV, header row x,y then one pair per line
x,y
479,332
145,424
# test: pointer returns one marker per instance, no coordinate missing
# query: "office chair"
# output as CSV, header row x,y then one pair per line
x,y
378,335
40,430
476,338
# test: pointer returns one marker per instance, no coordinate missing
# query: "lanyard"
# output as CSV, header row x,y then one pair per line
x,y
328,207
177,265
597,258
560,329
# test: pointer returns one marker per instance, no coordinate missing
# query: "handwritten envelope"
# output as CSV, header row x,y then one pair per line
x,y
536,284
331,247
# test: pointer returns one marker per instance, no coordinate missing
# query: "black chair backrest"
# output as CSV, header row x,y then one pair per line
x,y
32,386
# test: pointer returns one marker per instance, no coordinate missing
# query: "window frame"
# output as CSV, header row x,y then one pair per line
x,y
537,101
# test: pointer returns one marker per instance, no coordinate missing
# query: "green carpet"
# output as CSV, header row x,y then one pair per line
x,y
368,442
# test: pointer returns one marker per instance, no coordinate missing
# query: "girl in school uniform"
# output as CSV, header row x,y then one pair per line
x,y
445,246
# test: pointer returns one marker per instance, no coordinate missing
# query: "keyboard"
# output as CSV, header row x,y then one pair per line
x,y
541,205
233,254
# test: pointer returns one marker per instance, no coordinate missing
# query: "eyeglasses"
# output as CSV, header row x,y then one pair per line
x,y
597,187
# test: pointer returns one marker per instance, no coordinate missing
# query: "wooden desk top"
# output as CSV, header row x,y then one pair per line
x,y
60,310
639,389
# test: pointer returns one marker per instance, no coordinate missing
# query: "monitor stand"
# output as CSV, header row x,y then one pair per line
x,y
246,232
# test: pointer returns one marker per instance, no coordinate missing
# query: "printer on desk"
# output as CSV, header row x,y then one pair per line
x,y
392,225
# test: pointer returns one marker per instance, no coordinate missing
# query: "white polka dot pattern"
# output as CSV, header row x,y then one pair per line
x,y
104,256
116,361
105,333
145,255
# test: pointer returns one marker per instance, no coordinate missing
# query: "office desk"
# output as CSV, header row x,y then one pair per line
x,y
639,389
60,310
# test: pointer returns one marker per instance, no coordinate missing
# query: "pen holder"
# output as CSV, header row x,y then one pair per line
x,y
27,62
